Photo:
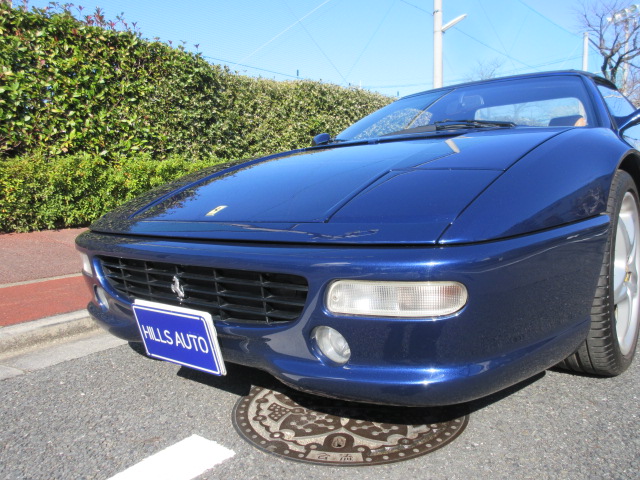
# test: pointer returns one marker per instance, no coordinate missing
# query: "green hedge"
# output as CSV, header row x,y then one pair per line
x,y
91,116
73,190
68,87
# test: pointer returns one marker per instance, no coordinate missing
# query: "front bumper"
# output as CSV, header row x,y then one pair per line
x,y
528,308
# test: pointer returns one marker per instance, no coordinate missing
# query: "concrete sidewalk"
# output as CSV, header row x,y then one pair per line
x,y
42,292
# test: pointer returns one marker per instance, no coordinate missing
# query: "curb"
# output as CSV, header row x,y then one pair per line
x,y
26,336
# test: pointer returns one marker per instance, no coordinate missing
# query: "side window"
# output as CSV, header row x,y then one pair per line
x,y
618,105
632,135
569,111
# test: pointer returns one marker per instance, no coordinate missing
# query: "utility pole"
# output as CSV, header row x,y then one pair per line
x,y
438,30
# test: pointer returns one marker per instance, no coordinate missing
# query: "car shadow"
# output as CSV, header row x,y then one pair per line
x,y
573,373
240,379
484,402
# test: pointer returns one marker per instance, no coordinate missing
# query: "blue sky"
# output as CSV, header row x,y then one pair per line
x,y
381,45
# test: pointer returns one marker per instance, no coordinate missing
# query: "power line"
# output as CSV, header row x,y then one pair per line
x,y
458,80
540,65
316,43
494,30
371,38
406,85
517,37
490,47
417,7
547,18
248,66
503,53
284,31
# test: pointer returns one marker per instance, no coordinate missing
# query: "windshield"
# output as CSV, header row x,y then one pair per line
x,y
537,102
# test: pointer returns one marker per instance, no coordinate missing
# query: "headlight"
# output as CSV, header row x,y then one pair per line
x,y
395,299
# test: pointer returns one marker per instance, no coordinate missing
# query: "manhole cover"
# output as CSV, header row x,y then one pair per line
x,y
318,430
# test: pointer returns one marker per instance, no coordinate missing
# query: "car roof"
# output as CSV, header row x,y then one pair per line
x,y
558,73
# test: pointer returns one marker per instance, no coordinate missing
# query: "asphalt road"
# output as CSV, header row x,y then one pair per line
x,y
95,416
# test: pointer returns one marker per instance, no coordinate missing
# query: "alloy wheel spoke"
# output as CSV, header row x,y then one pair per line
x,y
619,287
623,243
632,289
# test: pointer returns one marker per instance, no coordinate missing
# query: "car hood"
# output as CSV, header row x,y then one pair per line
x,y
384,191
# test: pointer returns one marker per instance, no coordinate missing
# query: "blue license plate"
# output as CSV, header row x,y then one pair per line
x,y
179,335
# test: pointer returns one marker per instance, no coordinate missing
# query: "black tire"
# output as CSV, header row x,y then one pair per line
x,y
601,353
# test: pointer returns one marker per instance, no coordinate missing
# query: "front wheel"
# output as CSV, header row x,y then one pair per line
x,y
613,337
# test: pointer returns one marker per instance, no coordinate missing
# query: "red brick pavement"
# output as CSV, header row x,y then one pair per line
x,y
32,260
32,301
38,255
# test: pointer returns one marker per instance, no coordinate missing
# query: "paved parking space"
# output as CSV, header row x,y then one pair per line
x,y
99,415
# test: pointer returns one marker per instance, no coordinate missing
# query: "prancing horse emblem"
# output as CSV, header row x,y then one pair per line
x,y
216,210
177,288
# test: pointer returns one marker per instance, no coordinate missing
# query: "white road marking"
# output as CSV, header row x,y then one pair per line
x,y
183,461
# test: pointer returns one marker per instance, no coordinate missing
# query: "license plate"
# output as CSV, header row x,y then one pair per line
x,y
179,335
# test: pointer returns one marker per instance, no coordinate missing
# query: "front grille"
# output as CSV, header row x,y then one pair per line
x,y
230,295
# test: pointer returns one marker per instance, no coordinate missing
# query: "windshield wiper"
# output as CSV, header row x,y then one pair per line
x,y
442,125
451,124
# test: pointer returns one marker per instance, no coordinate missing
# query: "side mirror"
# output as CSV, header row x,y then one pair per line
x,y
321,139
630,121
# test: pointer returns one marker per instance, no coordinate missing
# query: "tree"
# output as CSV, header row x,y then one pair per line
x,y
485,70
615,31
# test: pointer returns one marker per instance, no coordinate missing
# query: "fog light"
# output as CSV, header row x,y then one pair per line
x,y
331,344
86,264
102,298
396,299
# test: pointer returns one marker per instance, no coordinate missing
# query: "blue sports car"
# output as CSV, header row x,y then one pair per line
x,y
447,246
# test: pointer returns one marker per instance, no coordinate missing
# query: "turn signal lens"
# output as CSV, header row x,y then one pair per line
x,y
396,299
86,264
102,298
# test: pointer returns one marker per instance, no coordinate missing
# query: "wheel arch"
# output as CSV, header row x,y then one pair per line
x,y
631,164
601,352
